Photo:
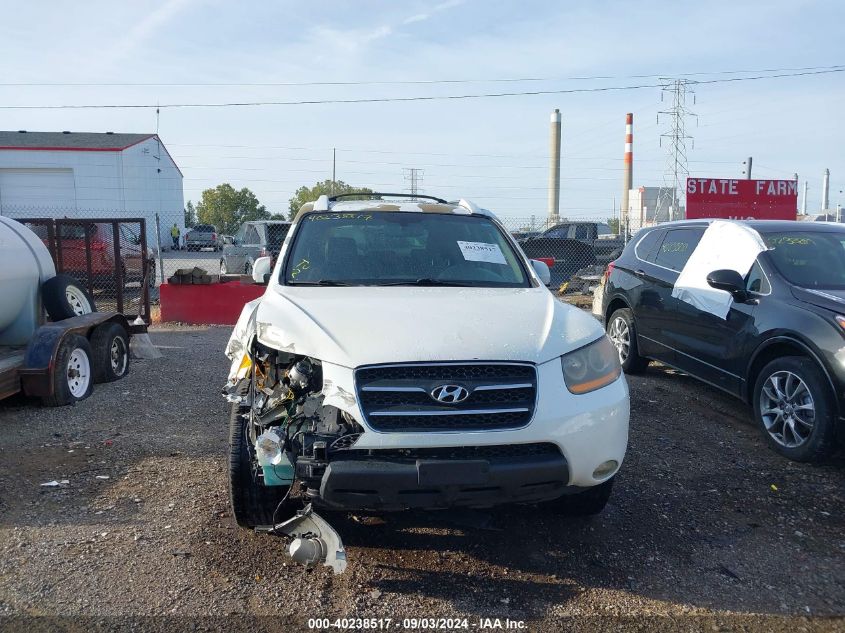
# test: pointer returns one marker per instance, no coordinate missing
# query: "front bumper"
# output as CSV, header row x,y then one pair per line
x,y
433,484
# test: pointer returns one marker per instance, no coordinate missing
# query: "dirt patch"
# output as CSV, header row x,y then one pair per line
x,y
706,527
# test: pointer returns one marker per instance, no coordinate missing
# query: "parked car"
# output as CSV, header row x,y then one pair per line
x,y
260,238
573,246
71,252
202,236
383,370
770,331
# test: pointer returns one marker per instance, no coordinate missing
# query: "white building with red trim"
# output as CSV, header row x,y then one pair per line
x,y
88,175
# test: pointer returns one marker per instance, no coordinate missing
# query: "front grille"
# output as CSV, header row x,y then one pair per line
x,y
398,397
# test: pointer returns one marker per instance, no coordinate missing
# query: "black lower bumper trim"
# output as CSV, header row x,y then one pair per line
x,y
433,484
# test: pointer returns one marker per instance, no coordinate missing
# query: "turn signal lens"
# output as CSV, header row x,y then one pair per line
x,y
840,320
591,367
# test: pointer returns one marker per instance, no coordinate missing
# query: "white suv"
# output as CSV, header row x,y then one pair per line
x,y
406,354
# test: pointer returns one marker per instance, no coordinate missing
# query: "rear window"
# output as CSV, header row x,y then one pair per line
x,y
645,246
204,228
676,248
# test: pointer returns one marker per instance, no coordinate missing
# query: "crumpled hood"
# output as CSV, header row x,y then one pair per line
x,y
366,325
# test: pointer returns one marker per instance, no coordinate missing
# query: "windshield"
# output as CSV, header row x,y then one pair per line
x,y
386,248
809,259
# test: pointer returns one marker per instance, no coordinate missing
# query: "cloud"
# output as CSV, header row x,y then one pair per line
x,y
437,8
141,32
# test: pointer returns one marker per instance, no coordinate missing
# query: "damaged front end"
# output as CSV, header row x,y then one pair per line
x,y
282,436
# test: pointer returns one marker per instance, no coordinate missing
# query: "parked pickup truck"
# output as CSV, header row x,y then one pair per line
x,y
574,246
202,236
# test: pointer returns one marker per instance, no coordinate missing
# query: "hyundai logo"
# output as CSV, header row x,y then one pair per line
x,y
449,394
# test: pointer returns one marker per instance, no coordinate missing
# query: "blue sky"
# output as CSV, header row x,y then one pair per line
x,y
494,151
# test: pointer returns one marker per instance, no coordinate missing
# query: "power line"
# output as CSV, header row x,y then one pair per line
x,y
488,95
397,82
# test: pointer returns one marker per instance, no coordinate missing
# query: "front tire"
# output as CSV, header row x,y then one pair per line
x,y
253,503
622,331
72,376
795,409
582,504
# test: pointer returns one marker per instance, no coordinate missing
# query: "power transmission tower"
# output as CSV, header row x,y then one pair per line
x,y
414,178
677,170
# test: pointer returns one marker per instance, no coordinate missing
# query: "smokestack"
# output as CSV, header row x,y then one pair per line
x,y
554,169
627,170
826,191
804,200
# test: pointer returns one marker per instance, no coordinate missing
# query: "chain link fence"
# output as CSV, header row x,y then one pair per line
x,y
107,256
88,244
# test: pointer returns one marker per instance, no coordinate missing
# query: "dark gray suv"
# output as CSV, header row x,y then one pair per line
x,y
260,238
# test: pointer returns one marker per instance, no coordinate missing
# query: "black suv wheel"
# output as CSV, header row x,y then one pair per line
x,y
794,407
623,332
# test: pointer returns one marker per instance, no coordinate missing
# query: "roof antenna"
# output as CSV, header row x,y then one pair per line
x,y
157,118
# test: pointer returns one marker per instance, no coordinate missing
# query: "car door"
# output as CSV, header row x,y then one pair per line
x,y
715,349
650,291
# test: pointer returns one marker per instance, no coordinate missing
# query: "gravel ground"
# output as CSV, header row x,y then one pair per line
x,y
707,529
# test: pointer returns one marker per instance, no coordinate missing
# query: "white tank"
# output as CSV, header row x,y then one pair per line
x,y
25,263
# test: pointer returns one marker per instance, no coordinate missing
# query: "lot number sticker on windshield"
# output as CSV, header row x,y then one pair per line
x,y
482,252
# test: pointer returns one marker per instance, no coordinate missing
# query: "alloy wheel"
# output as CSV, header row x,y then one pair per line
x,y
787,409
620,335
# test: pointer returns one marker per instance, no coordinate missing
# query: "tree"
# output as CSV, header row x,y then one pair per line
x,y
306,194
613,223
227,208
190,215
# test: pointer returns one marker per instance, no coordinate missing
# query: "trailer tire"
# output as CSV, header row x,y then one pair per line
x,y
110,352
253,503
72,378
64,297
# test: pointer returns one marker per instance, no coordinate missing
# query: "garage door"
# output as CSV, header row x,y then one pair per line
x,y
48,192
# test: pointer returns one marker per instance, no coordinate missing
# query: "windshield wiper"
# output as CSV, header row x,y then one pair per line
x,y
427,281
321,282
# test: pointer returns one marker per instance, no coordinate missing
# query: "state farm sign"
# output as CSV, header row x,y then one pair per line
x,y
738,199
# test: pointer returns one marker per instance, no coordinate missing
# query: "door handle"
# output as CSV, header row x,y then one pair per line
x,y
639,272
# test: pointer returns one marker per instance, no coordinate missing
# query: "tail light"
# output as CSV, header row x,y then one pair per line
x,y
263,252
214,237
548,261
607,272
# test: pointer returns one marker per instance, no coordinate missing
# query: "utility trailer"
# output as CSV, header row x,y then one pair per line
x,y
57,360
64,359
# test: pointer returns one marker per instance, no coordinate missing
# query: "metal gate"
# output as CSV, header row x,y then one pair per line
x,y
107,256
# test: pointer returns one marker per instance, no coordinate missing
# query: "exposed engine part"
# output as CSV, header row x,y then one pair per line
x,y
315,541
295,437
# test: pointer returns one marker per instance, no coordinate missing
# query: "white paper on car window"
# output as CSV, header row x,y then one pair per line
x,y
482,252
724,245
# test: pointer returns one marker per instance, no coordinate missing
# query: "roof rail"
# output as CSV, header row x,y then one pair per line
x,y
376,194
322,203
469,206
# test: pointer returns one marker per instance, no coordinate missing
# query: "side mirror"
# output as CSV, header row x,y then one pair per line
x,y
730,281
542,271
261,269
227,239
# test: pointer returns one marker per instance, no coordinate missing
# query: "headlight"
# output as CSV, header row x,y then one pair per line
x,y
591,367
